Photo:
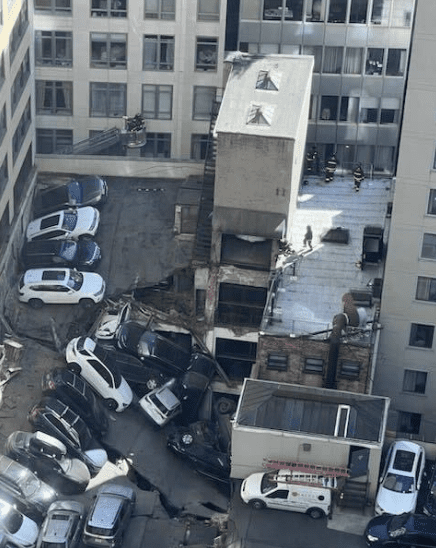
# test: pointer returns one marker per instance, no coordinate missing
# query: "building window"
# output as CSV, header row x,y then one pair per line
x,y
199,146
338,11
3,126
107,100
349,109
431,207
421,335
429,246
374,61
358,11
389,116
48,141
408,423
277,361
21,131
62,7
349,369
268,80
109,8
206,53
333,57
240,304
158,146
158,52
369,115
316,51
313,365
157,102
204,98
401,13
414,381
18,31
20,81
108,50
353,61
396,63
4,175
208,10
426,289
54,97
160,9
54,48
329,107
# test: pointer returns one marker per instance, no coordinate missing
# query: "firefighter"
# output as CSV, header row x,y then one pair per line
x,y
311,161
330,168
358,177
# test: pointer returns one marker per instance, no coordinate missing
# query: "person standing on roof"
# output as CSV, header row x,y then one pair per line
x,y
358,177
330,168
308,237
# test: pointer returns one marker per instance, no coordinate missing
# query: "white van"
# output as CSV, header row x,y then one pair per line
x,y
271,490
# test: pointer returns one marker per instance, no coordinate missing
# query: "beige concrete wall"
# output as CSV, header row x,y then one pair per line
x,y
253,172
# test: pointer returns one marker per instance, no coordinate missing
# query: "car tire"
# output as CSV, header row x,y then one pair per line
x,y
111,404
74,367
86,303
225,406
36,303
152,383
315,513
257,504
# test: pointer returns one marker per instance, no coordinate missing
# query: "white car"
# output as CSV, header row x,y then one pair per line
x,y
401,478
60,286
161,404
84,357
66,223
18,528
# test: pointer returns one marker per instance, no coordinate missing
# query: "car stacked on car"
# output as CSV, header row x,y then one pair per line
x,y
59,242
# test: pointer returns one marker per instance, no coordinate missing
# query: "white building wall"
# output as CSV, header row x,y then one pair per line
x,y
416,176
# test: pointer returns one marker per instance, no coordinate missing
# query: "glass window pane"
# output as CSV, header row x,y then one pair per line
x,y
353,61
358,11
332,60
338,11
431,209
402,13
380,12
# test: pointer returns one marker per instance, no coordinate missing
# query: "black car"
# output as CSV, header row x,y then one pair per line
x,y
84,254
75,392
429,506
47,457
86,191
194,384
155,350
57,419
402,530
199,445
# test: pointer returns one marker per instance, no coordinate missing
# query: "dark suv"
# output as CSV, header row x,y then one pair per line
x,y
157,351
75,392
84,254
109,515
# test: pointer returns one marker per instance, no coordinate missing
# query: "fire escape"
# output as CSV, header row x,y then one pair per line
x,y
204,223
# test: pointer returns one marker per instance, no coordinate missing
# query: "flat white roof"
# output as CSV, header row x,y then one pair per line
x,y
313,282
264,95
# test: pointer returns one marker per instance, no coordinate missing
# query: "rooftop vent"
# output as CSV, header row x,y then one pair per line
x,y
338,235
260,115
268,80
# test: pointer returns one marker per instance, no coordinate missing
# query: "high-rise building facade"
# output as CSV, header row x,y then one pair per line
x,y
406,369
99,60
361,50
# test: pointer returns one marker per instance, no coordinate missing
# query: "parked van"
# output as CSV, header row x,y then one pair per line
x,y
272,490
161,405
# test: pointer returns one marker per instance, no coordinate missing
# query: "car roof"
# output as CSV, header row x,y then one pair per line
x,y
404,456
46,275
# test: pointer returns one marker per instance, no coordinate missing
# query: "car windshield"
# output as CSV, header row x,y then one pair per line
x,y
267,484
130,335
70,220
398,483
68,250
54,197
75,193
75,281
10,519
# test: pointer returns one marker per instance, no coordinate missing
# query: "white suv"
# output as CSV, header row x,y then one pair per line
x,y
60,286
87,359
68,223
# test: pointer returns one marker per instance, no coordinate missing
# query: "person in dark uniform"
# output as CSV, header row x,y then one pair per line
x,y
358,177
330,168
311,161
308,237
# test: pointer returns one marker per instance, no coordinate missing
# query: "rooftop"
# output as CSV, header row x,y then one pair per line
x,y
264,95
309,284
309,410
